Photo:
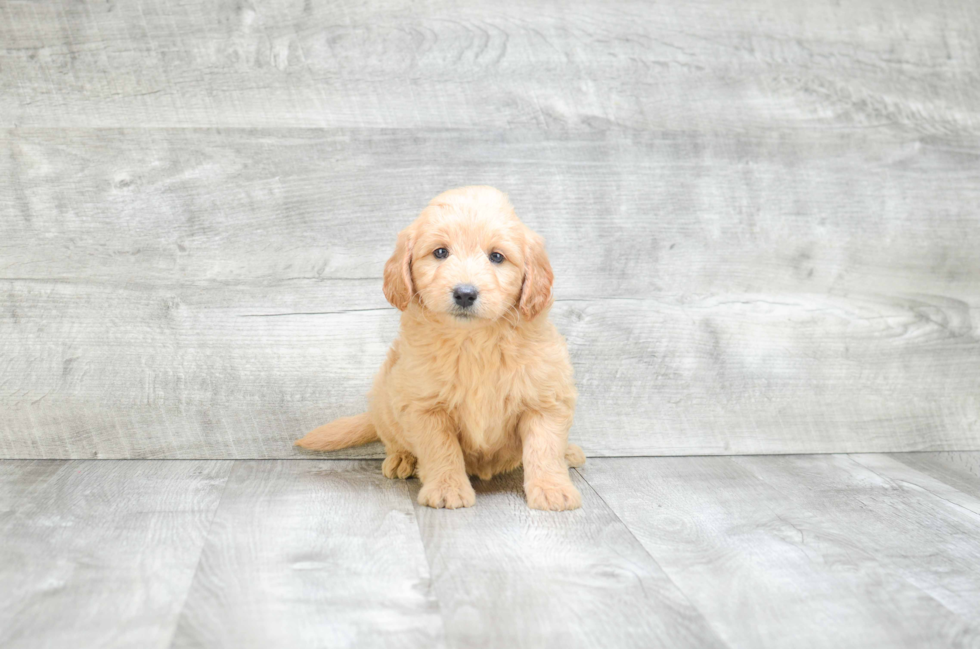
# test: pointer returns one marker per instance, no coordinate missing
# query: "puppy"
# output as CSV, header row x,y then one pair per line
x,y
479,380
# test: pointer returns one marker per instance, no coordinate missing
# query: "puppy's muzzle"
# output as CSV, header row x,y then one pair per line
x,y
465,295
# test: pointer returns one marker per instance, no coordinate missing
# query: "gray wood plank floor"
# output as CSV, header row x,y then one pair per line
x,y
804,551
507,576
100,554
787,567
311,554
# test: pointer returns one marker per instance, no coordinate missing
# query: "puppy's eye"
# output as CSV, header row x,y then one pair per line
x,y
496,257
440,253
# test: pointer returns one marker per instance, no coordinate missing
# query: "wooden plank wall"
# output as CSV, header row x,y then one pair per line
x,y
764,217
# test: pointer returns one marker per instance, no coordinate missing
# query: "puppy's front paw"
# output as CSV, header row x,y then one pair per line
x,y
451,493
398,465
552,494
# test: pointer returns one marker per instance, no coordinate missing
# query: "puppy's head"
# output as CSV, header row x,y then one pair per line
x,y
469,258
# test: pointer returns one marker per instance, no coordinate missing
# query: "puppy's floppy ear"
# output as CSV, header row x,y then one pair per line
x,y
398,287
538,278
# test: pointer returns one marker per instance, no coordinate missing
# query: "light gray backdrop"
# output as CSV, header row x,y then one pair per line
x,y
764,217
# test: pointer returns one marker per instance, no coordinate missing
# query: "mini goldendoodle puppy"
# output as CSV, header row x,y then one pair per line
x,y
479,380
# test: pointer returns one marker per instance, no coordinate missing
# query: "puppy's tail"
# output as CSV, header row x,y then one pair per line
x,y
340,433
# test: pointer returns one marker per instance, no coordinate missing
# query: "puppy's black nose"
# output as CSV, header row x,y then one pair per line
x,y
465,295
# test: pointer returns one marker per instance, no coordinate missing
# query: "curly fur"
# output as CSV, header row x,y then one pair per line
x,y
479,392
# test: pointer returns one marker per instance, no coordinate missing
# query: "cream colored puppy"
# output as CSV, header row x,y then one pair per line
x,y
479,381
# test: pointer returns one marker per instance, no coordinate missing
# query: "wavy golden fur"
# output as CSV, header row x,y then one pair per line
x,y
478,389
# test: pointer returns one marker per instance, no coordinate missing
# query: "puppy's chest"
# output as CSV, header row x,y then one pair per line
x,y
485,396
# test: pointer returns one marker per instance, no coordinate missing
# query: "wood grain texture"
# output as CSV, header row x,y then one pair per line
x,y
509,576
312,554
941,484
773,558
208,294
21,480
802,551
707,64
100,554
960,470
908,522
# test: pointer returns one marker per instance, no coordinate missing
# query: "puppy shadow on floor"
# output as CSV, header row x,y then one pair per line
x,y
511,482
509,486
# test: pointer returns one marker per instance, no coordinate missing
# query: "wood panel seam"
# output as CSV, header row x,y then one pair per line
x,y
883,561
641,545
905,483
428,562
204,543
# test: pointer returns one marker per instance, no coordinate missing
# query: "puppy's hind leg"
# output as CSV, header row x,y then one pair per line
x,y
400,463
574,455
